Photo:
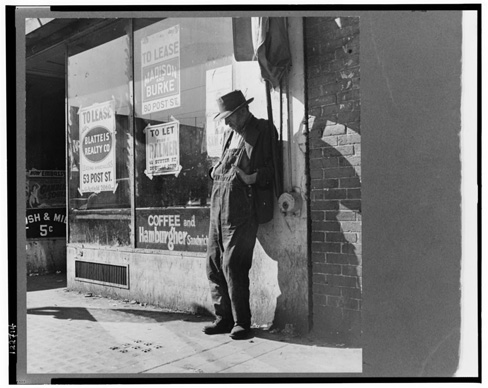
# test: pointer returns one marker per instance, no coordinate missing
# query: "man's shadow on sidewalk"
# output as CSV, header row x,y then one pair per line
x,y
101,314
68,313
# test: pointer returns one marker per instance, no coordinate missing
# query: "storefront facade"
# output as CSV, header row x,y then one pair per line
x,y
140,138
380,91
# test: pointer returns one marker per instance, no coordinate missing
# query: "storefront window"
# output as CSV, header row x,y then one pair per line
x,y
180,66
173,60
99,135
98,123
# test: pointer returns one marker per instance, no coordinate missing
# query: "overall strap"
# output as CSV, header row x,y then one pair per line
x,y
242,148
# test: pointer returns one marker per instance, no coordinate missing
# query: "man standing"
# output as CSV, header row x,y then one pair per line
x,y
242,198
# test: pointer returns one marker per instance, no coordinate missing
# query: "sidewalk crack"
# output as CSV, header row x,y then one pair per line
x,y
240,363
182,358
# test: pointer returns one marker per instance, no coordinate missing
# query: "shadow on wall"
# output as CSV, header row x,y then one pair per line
x,y
280,264
284,266
278,277
46,282
336,237
45,255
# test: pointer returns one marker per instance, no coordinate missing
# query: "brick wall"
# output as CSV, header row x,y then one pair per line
x,y
332,59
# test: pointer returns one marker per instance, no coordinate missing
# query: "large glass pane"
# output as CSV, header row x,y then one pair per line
x,y
173,60
99,134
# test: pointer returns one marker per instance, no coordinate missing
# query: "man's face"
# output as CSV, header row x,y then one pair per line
x,y
236,120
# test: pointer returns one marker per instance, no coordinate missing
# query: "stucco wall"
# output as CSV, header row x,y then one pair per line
x,y
172,281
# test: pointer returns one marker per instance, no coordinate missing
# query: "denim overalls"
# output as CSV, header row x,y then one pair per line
x,y
231,238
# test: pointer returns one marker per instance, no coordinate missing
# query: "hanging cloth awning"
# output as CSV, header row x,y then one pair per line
x,y
271,48
265,40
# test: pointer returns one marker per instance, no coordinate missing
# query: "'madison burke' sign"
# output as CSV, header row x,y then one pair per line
x,y
160,56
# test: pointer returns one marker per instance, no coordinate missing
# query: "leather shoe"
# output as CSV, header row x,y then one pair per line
x,y
218,327
240,332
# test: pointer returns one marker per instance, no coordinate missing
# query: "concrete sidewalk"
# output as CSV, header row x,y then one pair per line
x,y
72,333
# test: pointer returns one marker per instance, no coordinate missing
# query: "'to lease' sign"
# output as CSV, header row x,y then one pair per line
x,y
97,144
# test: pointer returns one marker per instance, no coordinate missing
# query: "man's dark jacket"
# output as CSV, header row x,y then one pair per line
x,y
262,138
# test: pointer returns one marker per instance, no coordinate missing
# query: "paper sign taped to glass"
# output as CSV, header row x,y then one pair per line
x,y
163,149
218,83
160,58
97,148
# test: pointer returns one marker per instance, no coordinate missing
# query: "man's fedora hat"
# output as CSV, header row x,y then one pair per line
x,y
230,103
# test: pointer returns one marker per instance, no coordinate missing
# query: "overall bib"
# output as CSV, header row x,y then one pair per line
x,y
231,239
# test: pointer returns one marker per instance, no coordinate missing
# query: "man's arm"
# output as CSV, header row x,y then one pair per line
x,y
264,174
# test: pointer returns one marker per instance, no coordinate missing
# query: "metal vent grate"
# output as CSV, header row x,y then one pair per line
x,y
105,274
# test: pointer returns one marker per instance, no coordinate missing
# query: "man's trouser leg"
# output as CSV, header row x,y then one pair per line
x,y
237,261
218,285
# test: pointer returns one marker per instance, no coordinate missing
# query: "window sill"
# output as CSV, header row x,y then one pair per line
x,y
102,214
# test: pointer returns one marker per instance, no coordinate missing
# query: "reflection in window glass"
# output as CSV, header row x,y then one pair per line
x,y
172,60
98,123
